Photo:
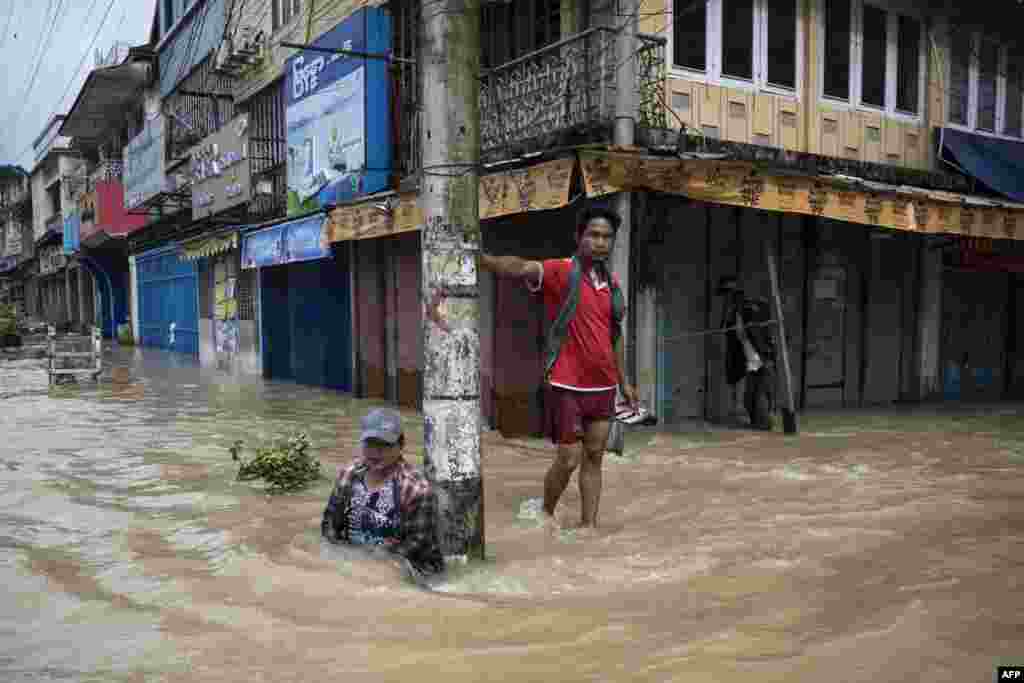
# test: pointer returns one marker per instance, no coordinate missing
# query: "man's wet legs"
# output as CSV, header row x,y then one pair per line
x,y
594,441
567,459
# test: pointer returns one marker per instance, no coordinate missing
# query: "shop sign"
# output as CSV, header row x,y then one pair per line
x,y
338,115
14,238
144,164
72,232
220,171
301,240
262,248
51,259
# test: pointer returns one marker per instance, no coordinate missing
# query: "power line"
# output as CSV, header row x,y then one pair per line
x,y
85,55
44,46
7,26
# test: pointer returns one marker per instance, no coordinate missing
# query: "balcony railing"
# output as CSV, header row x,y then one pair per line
x,y
107,170
565,93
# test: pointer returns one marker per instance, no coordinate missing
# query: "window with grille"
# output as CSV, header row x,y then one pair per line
x,y
511,30
754,41
985,84
267,152
284,11
200,105
873,57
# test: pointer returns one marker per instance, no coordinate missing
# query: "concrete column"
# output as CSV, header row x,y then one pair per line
x,y
67,294
646,347
81,296
449,63
929,323
133,298
623,135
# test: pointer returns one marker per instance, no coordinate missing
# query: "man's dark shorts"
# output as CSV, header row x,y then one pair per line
x,y
568,412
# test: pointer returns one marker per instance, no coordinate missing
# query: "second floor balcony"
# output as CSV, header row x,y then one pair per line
x,y
565,93
561,94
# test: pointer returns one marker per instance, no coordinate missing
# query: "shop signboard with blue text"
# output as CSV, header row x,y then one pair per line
x,y
339,115
144,164
303,239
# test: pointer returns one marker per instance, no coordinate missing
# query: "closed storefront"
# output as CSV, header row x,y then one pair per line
x,y
168,300
305,303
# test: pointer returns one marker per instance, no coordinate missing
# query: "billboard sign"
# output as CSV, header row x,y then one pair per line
x,y
220,171
303,239
144,164
72,232
14,237
338,115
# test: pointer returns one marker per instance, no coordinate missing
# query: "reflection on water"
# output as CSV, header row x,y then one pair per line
x,y
129,552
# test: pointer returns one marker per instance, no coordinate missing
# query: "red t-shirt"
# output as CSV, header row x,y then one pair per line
x,y
587,360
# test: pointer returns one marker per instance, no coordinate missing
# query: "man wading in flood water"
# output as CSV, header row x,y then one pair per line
x,y
584,364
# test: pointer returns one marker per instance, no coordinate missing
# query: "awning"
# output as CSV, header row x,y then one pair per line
x,y
104,97
211,245
843,198
999,164
302,239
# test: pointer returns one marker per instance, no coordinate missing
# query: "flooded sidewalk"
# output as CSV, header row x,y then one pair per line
x,y
884,546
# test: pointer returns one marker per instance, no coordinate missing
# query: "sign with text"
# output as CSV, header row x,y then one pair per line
x,y
338,115
738,183
304,239
220,171
144,164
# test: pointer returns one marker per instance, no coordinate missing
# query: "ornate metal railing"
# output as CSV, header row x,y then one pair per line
x,y
650,76
533,101
565,92
105,171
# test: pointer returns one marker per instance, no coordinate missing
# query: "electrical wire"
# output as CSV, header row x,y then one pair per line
x,y
81,62
35,72
7,26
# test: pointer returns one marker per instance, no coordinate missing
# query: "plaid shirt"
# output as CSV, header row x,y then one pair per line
x,y
417,539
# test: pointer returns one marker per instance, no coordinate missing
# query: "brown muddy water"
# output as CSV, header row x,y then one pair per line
x,y
874,547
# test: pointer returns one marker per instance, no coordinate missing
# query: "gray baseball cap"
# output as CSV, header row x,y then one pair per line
x,y
382,424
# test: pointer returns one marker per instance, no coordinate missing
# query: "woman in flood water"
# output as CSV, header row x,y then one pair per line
x,y
382,502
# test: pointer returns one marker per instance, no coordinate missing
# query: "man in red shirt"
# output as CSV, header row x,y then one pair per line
x,y
584,307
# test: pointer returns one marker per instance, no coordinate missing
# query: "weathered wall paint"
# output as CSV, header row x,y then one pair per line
x,y
449,197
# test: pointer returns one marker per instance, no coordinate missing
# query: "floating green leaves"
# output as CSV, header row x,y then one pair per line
x,y
286,466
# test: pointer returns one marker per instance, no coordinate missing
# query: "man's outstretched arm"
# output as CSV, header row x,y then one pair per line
x,y
514,267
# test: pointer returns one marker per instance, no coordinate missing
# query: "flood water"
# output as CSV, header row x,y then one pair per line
x,y
874,547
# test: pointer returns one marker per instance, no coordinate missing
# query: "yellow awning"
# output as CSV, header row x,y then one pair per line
x,y
209,246
844,198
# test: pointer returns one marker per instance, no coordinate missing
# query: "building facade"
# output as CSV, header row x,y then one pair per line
x,y
268,223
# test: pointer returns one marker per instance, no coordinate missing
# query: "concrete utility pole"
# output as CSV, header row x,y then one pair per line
x,y
450,68
623,135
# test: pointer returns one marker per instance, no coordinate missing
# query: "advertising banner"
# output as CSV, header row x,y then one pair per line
x,y
144,164
72,232
304,239
263,248
13,238
220,170
338,115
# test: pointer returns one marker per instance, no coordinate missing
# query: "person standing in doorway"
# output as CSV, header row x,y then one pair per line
x,y
750,350
584,363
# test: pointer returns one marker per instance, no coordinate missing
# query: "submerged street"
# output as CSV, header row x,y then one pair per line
x,y
882,546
